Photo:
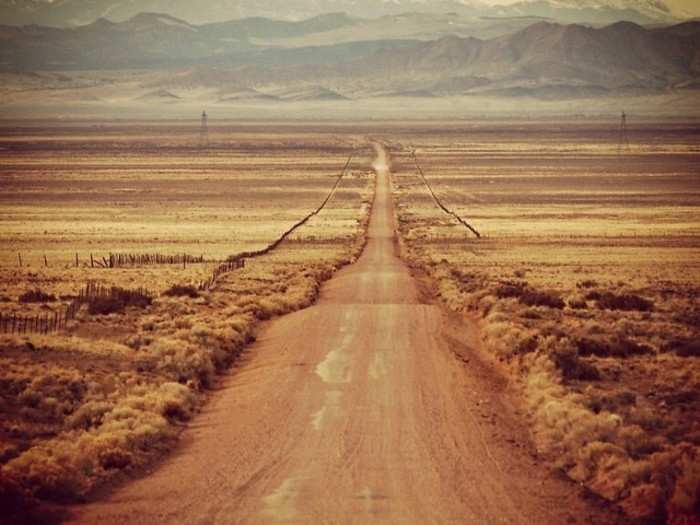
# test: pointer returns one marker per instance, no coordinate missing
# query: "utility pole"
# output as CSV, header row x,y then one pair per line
x,y
624,140
204,131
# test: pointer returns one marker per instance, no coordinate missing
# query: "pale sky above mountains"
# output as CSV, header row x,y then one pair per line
x,y
678,7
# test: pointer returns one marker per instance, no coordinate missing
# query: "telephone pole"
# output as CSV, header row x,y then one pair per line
x,y
623,140
204,131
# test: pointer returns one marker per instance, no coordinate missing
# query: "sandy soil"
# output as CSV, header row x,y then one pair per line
x,y
371,406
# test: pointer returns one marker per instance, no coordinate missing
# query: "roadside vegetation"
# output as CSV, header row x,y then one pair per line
x,y
110,393
589,299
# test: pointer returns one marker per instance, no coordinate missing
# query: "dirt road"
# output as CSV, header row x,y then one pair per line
x,y
359,409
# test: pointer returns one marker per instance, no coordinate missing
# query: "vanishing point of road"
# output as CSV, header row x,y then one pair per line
x,y
372,406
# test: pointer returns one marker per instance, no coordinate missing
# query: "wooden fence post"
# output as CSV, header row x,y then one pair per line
x,y
92,262
46,261
76,259
19,256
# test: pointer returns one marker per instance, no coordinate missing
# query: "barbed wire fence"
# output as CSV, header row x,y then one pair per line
x,y
438,201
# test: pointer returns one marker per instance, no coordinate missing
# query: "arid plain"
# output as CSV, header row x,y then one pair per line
x,y
577,311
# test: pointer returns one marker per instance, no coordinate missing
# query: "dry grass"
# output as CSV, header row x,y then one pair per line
x,y
110,393
586,286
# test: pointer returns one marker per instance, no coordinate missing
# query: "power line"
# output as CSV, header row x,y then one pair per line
x,y
439,202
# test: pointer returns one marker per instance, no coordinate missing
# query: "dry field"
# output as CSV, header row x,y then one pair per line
x,y
585,283
109,393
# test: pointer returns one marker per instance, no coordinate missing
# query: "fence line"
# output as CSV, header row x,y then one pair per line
x,y
51,322
223,268
55,321
439,202
40,323
238,260
118,260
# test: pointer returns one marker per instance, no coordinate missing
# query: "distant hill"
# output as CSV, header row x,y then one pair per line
x,y
544,59
570,58
69,13
155,40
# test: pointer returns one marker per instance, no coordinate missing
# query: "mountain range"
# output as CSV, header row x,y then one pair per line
x,y
69,13
417,55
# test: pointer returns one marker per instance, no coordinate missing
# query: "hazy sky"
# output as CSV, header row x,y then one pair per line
x,y
678,7
691,7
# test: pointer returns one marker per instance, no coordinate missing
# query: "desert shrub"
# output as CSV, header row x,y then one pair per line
x,y
587,347
48,475
115,459
535,298
572,367
527,345
686,494
20,508
610,402
593,295
117,300
12,497
680,397
577,304
49,397
510,290
625,302
503,337
182,291
181,360
586,284
627,348
689,317
619,347
683,348
36,296
89,415
637,442
8,452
